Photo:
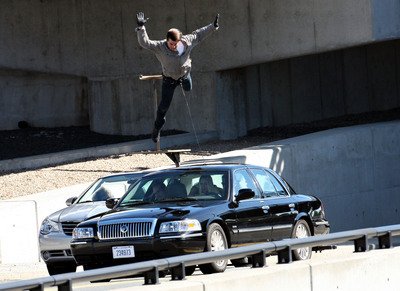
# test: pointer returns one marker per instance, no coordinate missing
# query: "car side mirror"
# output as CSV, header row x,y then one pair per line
x,y
244,194
70,201
111,202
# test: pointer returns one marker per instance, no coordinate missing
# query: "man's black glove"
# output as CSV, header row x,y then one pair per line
x,y
216,24
140,19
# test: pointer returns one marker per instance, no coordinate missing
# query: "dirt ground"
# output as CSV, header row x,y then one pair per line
x,y
35,141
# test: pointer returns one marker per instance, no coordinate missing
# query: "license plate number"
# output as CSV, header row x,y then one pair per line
x,y
123,252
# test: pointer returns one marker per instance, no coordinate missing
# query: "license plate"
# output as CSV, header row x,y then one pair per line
x,y
123,252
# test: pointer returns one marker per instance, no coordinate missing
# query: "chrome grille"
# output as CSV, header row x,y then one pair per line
x,y
127,228
68,227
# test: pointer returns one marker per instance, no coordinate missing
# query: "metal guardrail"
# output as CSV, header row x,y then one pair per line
x,y
150,269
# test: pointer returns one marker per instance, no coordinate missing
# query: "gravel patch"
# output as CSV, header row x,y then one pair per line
x,y
40,180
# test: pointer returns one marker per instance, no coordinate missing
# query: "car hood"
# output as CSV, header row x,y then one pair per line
x,y
162,210
79,212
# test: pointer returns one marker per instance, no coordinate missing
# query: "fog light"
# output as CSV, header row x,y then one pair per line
x,y
46,255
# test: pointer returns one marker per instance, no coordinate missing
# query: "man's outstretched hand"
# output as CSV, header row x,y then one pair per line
x,y
216,24
140,19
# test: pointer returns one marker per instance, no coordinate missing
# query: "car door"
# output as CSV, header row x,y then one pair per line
x,y
251,219
279,205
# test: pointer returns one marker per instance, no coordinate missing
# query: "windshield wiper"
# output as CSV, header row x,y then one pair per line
x,y
86,201
134,203
183,199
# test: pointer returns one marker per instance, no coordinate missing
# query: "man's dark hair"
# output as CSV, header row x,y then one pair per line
x,y
174,34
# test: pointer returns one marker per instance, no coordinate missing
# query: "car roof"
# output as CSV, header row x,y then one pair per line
x,y
126,174
224,166
203,167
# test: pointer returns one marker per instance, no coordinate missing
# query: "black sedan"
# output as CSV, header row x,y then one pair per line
x,y
194,209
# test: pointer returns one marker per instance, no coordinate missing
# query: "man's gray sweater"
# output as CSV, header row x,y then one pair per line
x,y
174,65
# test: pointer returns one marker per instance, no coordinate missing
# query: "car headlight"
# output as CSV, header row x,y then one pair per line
x,y
49,226
180,226
82,232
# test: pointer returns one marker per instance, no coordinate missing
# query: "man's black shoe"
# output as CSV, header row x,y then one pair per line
x,y
155,135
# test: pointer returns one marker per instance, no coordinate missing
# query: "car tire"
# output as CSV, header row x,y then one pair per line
x,y
190,270
301,230
56,269
162,274
243,262
216,240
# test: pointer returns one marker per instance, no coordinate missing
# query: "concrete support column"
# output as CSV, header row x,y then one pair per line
x,y
231,100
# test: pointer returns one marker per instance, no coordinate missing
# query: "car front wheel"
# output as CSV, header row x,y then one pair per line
x,y
216,241
190,270
301,230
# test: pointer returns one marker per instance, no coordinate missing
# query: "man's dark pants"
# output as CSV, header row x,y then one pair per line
x,y
167,92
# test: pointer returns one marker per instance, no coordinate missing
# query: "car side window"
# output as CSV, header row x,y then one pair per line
x,y
241,180
278,186
264,180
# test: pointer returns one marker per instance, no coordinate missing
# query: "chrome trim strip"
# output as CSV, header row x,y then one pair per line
x,y
135,228
283,226
79,243
320,223
261,228
183,236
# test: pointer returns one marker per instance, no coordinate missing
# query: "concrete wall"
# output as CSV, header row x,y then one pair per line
x,y
18,237
353,170
96,40
42,100
309,88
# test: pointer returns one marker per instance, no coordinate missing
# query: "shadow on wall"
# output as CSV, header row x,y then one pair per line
x,y
308,88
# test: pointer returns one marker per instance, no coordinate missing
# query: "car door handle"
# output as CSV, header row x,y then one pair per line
x,y
265,208
291,205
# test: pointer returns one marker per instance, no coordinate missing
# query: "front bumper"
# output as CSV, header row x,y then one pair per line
x,y
99,253
321,227
55,247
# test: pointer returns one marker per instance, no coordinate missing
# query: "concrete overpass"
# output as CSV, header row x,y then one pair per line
x,y
76,62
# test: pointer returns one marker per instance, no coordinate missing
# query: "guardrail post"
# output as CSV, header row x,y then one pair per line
x,y
67,286
178,273
361,244
285,256
385,241
152,277
259,260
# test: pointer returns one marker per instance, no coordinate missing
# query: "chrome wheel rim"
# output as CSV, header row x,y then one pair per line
x,y
217,243
302,232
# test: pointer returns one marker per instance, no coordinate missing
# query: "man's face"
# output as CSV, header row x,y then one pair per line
x,y
172,45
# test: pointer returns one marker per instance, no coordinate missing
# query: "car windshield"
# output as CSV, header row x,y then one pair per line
x,y
108,187
190,185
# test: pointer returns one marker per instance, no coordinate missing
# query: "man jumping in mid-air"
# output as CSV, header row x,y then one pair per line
x,y
174,56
